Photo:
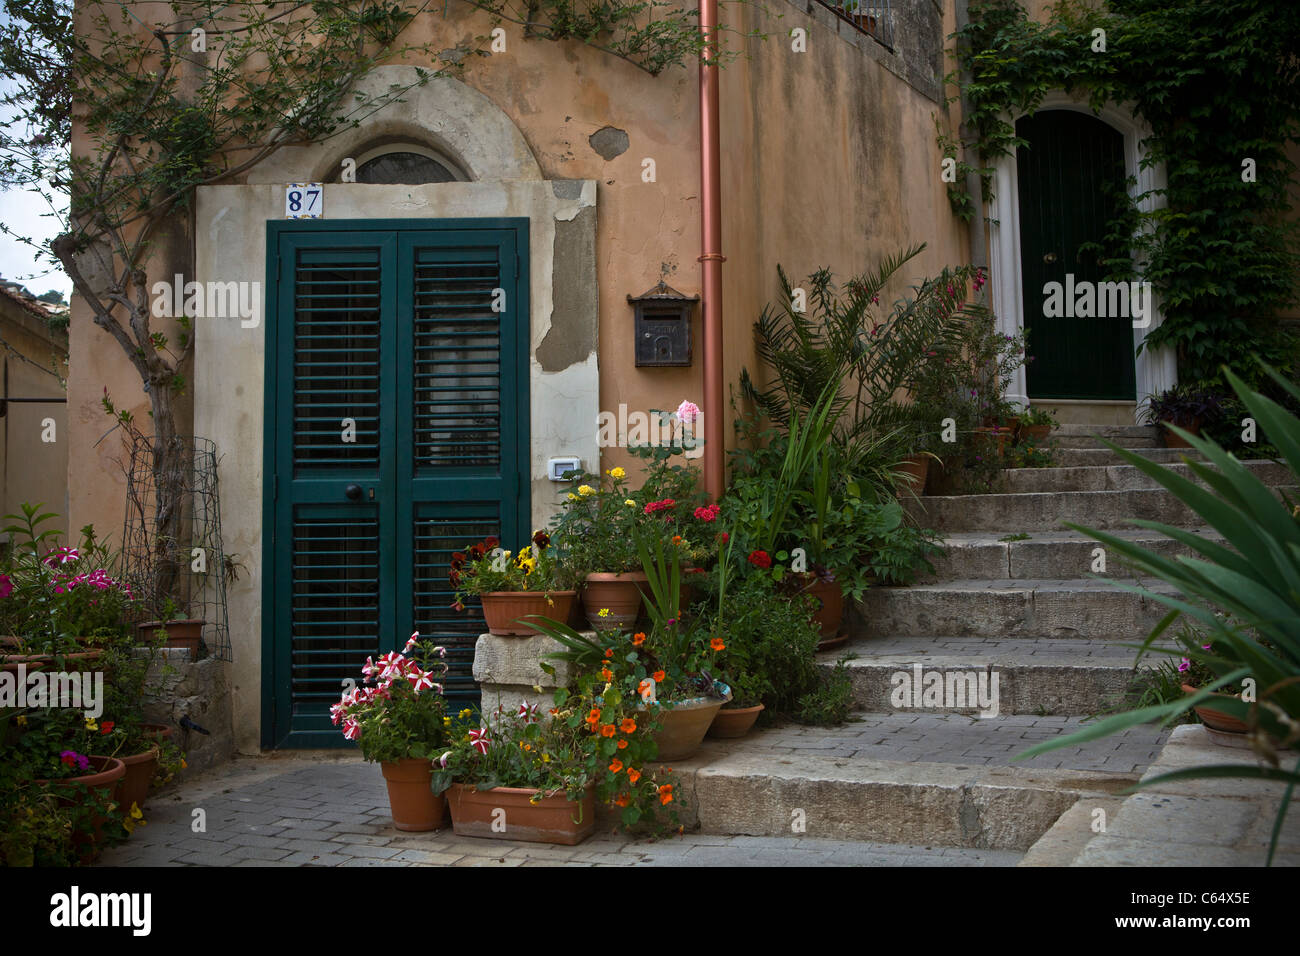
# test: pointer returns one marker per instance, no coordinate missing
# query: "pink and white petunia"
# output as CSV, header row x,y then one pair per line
x,y
410,645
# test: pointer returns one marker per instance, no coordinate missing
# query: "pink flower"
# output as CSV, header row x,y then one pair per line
x,y
351,729
1185,666
394,666
6,586
654,506
708,513
421,680
410,645
688,412
62,556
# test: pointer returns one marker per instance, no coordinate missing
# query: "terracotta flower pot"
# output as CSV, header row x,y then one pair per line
x,y
830,606
734,721
414,805
140,769
106,781
186,634
1177,441
1215,718
508,813
620,593
915,469
504,610
683,724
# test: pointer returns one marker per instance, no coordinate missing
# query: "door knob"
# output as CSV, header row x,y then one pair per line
x,y
353,492
1050,258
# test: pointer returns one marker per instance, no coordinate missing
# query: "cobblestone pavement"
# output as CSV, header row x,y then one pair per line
x,y
328,811
958,739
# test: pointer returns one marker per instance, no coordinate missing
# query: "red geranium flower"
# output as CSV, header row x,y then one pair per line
x,y
760,559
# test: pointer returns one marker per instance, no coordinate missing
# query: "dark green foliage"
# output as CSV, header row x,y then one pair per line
x,y
1219,83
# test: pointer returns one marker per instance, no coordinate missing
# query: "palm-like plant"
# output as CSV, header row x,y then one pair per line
x,y
841,341
1245,593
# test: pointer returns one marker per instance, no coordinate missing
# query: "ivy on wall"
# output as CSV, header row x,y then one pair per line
x,y
1218,81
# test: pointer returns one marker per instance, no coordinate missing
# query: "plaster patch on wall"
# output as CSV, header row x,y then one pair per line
x,y
567,188
609,142
572,335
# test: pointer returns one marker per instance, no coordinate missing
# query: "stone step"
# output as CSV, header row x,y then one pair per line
x,y
1119,477
1126,436
1082,457
1043,554
1056,676
1045,511
1027,607
933,779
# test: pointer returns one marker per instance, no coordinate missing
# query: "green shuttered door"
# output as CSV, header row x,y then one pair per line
x,y
397,411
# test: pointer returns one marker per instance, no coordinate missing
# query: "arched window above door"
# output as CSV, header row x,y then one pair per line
x,y
406,164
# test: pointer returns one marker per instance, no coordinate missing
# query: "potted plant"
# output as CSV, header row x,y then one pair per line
x,y
397,716
512,588
1186,406
53,747
1195,673
523,777
1036,423
58,603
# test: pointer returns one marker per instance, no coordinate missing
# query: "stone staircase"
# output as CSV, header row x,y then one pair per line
x,y
1016,595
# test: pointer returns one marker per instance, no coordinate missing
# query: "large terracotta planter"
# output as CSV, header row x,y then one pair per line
x,y
508,813
830,606
1217,719
185,635
621,594
106,781
730,722
504,610
683,724
414,805
915,470
140,769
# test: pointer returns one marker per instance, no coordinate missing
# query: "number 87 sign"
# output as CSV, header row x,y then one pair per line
x,y
304,200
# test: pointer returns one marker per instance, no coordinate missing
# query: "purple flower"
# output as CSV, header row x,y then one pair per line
x,y
6,586
1185,666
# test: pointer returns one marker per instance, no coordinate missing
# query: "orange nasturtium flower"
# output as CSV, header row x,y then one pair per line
x,y
659,676
609,652
607,731
593,717
633,774
666,794
622,745
621,800
642,687
638,638
677,539
615,765
606,674
628,726
717,644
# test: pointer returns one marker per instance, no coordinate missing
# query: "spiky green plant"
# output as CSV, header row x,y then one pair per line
x,y
1245,594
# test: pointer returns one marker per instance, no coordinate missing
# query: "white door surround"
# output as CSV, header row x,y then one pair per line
x,y
1156,370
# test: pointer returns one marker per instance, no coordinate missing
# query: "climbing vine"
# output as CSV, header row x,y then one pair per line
x,y
1218,81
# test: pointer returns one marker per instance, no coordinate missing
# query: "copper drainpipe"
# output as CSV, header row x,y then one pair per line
x,y
712,258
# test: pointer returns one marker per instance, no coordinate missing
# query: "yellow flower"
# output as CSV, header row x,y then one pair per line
x,y
90,724
446,721
546,758
572,496
21,720
604,612
136,812
629,502
585,490
466,712
617,473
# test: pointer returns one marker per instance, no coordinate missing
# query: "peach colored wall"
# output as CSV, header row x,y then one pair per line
x,y
829,160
